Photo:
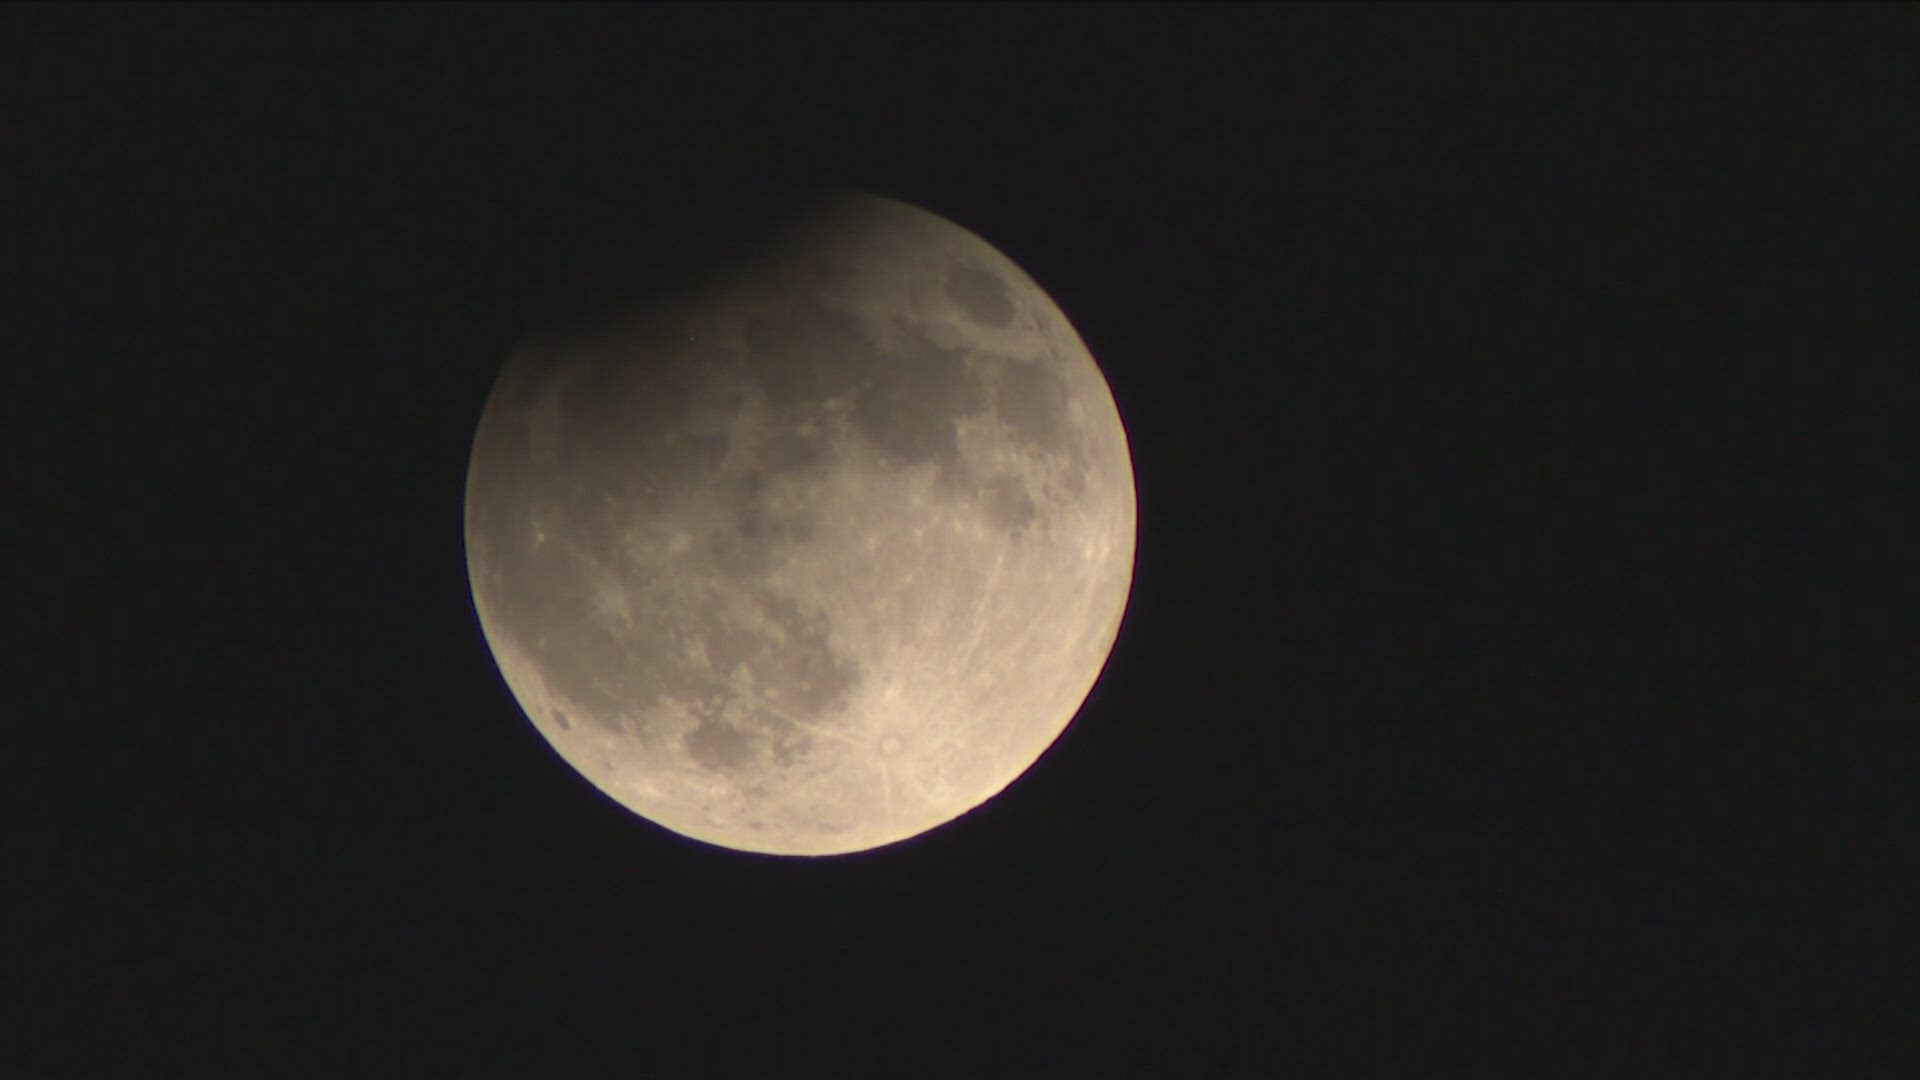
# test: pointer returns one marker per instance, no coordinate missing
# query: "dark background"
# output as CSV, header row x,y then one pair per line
x,y
1517,673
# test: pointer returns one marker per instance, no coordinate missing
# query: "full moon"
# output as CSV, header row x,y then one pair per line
x,y
816,554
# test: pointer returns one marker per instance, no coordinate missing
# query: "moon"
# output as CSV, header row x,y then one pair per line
x,y
816,554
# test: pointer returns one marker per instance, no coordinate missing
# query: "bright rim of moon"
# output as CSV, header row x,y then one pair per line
x,y
816,557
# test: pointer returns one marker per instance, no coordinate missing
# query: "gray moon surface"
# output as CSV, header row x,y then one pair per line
x,y
818,553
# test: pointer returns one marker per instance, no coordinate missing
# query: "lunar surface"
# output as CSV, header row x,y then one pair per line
x,y
816,555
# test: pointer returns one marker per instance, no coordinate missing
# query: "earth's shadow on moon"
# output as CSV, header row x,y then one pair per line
x,y
606,260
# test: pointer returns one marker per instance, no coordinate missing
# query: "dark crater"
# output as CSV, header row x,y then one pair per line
x,y
983,296
905,400
1008,505
806,353
1030,399
718,746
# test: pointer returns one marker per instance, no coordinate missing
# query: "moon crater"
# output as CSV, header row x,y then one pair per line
x,y
980,294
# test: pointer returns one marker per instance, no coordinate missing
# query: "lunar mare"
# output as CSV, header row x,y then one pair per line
x,y
817,555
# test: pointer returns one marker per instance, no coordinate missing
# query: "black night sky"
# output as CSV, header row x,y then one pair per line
x,y
1517,678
